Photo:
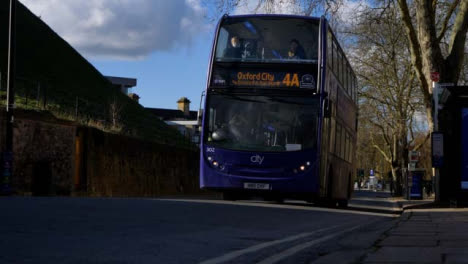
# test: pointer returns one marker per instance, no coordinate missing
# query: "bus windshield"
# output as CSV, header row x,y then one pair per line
x,y
267,39
262,122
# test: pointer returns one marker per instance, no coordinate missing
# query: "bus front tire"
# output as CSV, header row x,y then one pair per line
x,y
342,203
229,196
279,200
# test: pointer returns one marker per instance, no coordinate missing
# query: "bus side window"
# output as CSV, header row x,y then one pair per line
x,y
335,59
348,78
356,88
342,69
332,135
348,151
343,143
350,82
330,50
222,43
338,139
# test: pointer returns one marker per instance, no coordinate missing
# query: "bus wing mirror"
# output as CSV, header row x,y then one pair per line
x,y
199,117
200,110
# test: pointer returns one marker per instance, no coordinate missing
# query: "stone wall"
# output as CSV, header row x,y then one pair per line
x,y
44,149
2,131
55,157
121,166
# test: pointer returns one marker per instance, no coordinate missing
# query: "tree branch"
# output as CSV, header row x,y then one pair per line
x,y
420,145
457,42
415,49
452,8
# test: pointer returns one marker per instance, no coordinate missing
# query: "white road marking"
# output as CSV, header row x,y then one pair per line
x,y
281,206
364,206
294,250
234,254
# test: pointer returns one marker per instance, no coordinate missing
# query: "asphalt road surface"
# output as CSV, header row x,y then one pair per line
x,y
119,230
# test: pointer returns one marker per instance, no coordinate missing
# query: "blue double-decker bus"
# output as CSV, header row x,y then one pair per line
x,y
280,112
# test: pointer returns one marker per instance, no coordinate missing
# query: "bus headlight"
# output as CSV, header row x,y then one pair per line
x,y
302,167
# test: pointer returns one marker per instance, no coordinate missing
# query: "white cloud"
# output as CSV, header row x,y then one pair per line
x,y
123,29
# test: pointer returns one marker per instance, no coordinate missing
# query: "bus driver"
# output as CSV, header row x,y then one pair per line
x,y
234,51
296,51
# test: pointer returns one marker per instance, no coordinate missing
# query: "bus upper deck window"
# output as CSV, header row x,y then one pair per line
x,y
260,39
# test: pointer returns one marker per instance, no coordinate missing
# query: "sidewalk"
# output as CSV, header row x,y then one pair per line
x,y
424,236
383,201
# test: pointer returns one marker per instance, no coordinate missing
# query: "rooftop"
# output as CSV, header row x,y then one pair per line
x,y
171,114
122,81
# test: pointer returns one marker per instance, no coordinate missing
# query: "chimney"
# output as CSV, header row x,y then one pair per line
x,y
134,97
184,105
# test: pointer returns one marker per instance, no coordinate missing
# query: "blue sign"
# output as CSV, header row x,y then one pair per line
x,y
416,187
464,139
371,172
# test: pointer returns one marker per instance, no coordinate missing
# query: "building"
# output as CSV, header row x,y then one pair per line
x,y
125,85
183,119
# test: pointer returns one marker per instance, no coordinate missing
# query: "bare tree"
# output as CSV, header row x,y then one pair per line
x,y
427,25
115,110
389,88
300,7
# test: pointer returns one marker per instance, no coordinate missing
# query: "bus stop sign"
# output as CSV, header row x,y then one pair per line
x,y
435,76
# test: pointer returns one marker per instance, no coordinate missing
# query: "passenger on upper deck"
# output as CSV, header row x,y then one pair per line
x,y
296,51
234,51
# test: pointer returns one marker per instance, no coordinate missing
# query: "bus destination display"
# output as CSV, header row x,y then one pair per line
x,y
263,79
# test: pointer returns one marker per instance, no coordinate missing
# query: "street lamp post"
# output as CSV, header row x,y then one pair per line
x,y
8,154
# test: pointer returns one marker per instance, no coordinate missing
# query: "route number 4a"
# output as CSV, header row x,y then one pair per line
x,y
288,81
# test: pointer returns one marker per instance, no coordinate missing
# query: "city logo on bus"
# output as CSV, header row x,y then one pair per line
x,y
257,159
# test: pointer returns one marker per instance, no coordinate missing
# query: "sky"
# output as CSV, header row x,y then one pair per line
x,y
164,44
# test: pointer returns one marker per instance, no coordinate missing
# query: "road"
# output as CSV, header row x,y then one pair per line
x,y
120,230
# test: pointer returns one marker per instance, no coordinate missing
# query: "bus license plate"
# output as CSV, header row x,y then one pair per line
x,y
256,186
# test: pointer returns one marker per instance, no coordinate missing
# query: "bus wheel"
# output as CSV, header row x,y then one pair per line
x,y
279,199
343,203
229,196
326,202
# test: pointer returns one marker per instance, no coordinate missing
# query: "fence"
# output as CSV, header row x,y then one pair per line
x,y
109,112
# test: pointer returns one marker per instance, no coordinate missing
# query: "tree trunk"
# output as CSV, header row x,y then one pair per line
x,y
396,180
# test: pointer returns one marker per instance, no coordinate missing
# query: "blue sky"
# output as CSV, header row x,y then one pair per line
x,y
165,76
164,44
